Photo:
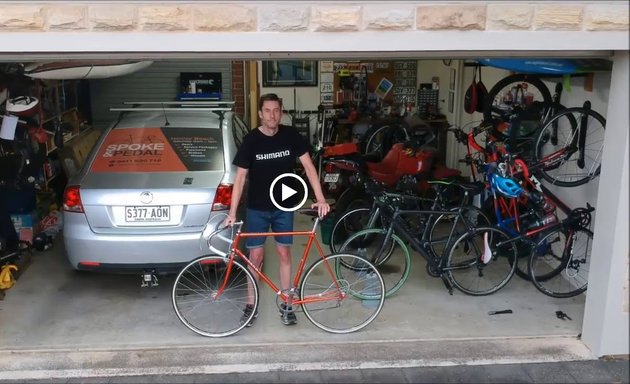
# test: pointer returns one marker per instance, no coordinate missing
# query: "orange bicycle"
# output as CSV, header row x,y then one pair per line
x,y
339,293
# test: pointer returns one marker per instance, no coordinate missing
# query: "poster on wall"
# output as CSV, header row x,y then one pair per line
x,y
326,66
164,149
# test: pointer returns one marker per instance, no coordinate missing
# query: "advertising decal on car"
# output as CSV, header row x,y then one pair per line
x,y
165,149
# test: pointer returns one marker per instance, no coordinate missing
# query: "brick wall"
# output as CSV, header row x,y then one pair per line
x,y
238,87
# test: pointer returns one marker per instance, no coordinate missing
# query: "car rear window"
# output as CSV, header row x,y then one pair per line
x,y
162,149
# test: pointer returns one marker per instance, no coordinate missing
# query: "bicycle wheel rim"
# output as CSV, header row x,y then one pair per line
x,y
193,290
469,273
495,107
564,261
342,305
348,224
393,263
568,170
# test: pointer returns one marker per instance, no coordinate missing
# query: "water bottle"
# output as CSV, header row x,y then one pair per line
x,y
371,289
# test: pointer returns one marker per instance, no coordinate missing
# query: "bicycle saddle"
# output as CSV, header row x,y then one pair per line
x,y
473,188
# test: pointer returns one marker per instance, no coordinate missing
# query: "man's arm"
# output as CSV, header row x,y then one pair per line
x,y
237,192
322,206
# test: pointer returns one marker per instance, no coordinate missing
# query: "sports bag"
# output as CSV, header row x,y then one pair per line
x,y
482,93
471,97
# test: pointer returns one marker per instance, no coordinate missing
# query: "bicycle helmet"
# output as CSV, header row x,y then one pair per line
x,y
506,186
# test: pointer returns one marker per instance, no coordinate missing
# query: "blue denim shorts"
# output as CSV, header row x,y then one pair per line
x,y
261,221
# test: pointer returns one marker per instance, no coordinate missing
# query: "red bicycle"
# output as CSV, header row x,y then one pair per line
x,y
339,293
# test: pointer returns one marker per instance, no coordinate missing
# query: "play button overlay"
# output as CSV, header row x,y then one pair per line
x,y
288,192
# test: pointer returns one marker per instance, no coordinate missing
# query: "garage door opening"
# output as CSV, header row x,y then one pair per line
x,y
357,96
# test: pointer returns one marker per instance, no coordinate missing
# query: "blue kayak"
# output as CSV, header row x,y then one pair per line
x,y
546,66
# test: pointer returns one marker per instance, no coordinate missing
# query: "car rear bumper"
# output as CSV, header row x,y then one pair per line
x,y
87,250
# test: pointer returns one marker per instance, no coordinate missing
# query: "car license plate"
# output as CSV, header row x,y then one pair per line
x,y
331,177
148,214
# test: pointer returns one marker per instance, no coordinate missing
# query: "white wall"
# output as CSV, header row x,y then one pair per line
x,y
606,313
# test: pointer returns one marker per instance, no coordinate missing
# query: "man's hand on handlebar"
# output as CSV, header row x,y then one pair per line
x,y
322,208
229,221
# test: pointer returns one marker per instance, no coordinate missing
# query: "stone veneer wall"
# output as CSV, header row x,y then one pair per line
x,y
354,16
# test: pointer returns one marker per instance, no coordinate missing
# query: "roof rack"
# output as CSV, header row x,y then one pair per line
x,y
185,106
182,102
145,109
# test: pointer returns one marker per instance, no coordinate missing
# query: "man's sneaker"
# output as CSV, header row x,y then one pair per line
x,y
287,314
249,308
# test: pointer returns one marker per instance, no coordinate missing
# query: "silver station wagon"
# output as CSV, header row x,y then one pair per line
x,y
150,185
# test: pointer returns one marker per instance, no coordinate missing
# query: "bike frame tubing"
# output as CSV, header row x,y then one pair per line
x,y
298,274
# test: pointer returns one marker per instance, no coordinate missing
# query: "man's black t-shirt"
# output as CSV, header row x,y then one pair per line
x,y
267,157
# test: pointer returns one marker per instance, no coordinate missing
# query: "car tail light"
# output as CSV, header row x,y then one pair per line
x,y
329,168
72,199
222,198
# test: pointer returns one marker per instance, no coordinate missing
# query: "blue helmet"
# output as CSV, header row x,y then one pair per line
x,y
506,186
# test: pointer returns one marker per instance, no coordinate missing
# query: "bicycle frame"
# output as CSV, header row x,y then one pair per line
x,y
422,245
234,251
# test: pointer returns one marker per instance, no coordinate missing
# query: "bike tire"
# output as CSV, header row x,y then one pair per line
x,y
394,265
491,111
381,137
468,273
198,281
346,303
565,275
568,123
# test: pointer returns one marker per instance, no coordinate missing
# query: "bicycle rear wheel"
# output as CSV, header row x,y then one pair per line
x,y
570,147
563,257
198,303
392,258
482,261
345,301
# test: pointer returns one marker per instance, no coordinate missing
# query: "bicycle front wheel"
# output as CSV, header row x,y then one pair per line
x,y
570,146
391,256
342,302
563,259
210,294
482,261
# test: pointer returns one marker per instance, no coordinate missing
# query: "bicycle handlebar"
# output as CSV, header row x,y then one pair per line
x,y
236,226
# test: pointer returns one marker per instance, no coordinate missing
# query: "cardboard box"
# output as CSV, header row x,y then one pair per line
x,y
75,152
24,224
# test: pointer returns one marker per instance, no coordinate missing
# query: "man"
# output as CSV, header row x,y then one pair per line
x,y
267,152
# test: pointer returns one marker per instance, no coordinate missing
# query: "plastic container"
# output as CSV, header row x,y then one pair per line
x,y
326,227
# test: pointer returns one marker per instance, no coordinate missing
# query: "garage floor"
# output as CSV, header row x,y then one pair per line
x,y
54,307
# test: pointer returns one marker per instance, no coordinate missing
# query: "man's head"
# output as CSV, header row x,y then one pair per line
x,y
270,110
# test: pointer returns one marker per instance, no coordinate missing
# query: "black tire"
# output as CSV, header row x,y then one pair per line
x,y
491,111
465,266
382,136
351,197
562,258
567,170
348,224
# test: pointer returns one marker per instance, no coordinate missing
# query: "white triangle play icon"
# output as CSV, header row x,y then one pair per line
x,y
287,192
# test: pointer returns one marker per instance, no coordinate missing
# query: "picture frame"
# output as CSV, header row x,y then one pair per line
x,y
289,73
